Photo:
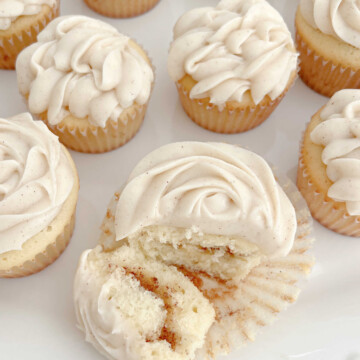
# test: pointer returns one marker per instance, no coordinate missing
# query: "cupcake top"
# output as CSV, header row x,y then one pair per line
x,y
35,179
213,188
85,68
235,47
339,133
339,18
10,10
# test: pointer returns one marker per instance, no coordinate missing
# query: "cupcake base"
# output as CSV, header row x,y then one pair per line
x,y
121,8
22,33
314,184
323,75
326,73
44,248
234,117
79,135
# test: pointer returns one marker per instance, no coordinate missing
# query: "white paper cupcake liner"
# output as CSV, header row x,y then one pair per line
x,y
322,75
269,288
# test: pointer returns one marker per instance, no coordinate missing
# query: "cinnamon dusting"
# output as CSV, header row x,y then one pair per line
x,y
152,284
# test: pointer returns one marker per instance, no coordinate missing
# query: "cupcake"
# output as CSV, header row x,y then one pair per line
x,y
38,195
121,8
232,64
20,23
216,213
87,82
328,39
329,166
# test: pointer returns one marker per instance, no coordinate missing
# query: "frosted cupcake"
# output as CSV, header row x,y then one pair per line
x,y
121,8
232,64
38,195
328,39
214,213
87,82
20,23
329,167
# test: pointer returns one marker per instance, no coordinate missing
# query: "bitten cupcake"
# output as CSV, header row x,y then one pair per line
x,y
20,23
215,213
38,196
232,64
87,82
328,39
121,8
329,166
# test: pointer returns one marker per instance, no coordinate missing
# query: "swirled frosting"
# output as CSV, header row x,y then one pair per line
x,y
220,189
339,18
237,46
10,10
35,179
83,67
339,133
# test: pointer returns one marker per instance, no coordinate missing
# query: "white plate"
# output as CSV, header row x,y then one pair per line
x,y
36,313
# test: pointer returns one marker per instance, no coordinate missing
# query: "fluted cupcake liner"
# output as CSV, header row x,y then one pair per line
x,y
121,8
94,139
325,210
11,45
242,310
237,120
323,75
44,259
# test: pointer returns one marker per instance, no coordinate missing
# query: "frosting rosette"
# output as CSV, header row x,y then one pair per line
x,y
35,180
339,18
339,133
212,188
235,47
10,10
83,67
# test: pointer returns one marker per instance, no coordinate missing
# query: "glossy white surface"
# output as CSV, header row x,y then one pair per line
x,y
37,319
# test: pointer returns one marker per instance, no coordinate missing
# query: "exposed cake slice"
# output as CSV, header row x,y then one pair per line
x,y
133,308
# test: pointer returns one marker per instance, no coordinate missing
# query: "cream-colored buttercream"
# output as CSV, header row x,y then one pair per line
x,y
215,188
339,18
237,46
83,67
339,133
10,10
35,179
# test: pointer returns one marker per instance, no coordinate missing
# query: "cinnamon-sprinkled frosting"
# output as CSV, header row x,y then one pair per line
x,y
339,18
83,67
234,47
339,133
219,188
10,10
35,179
